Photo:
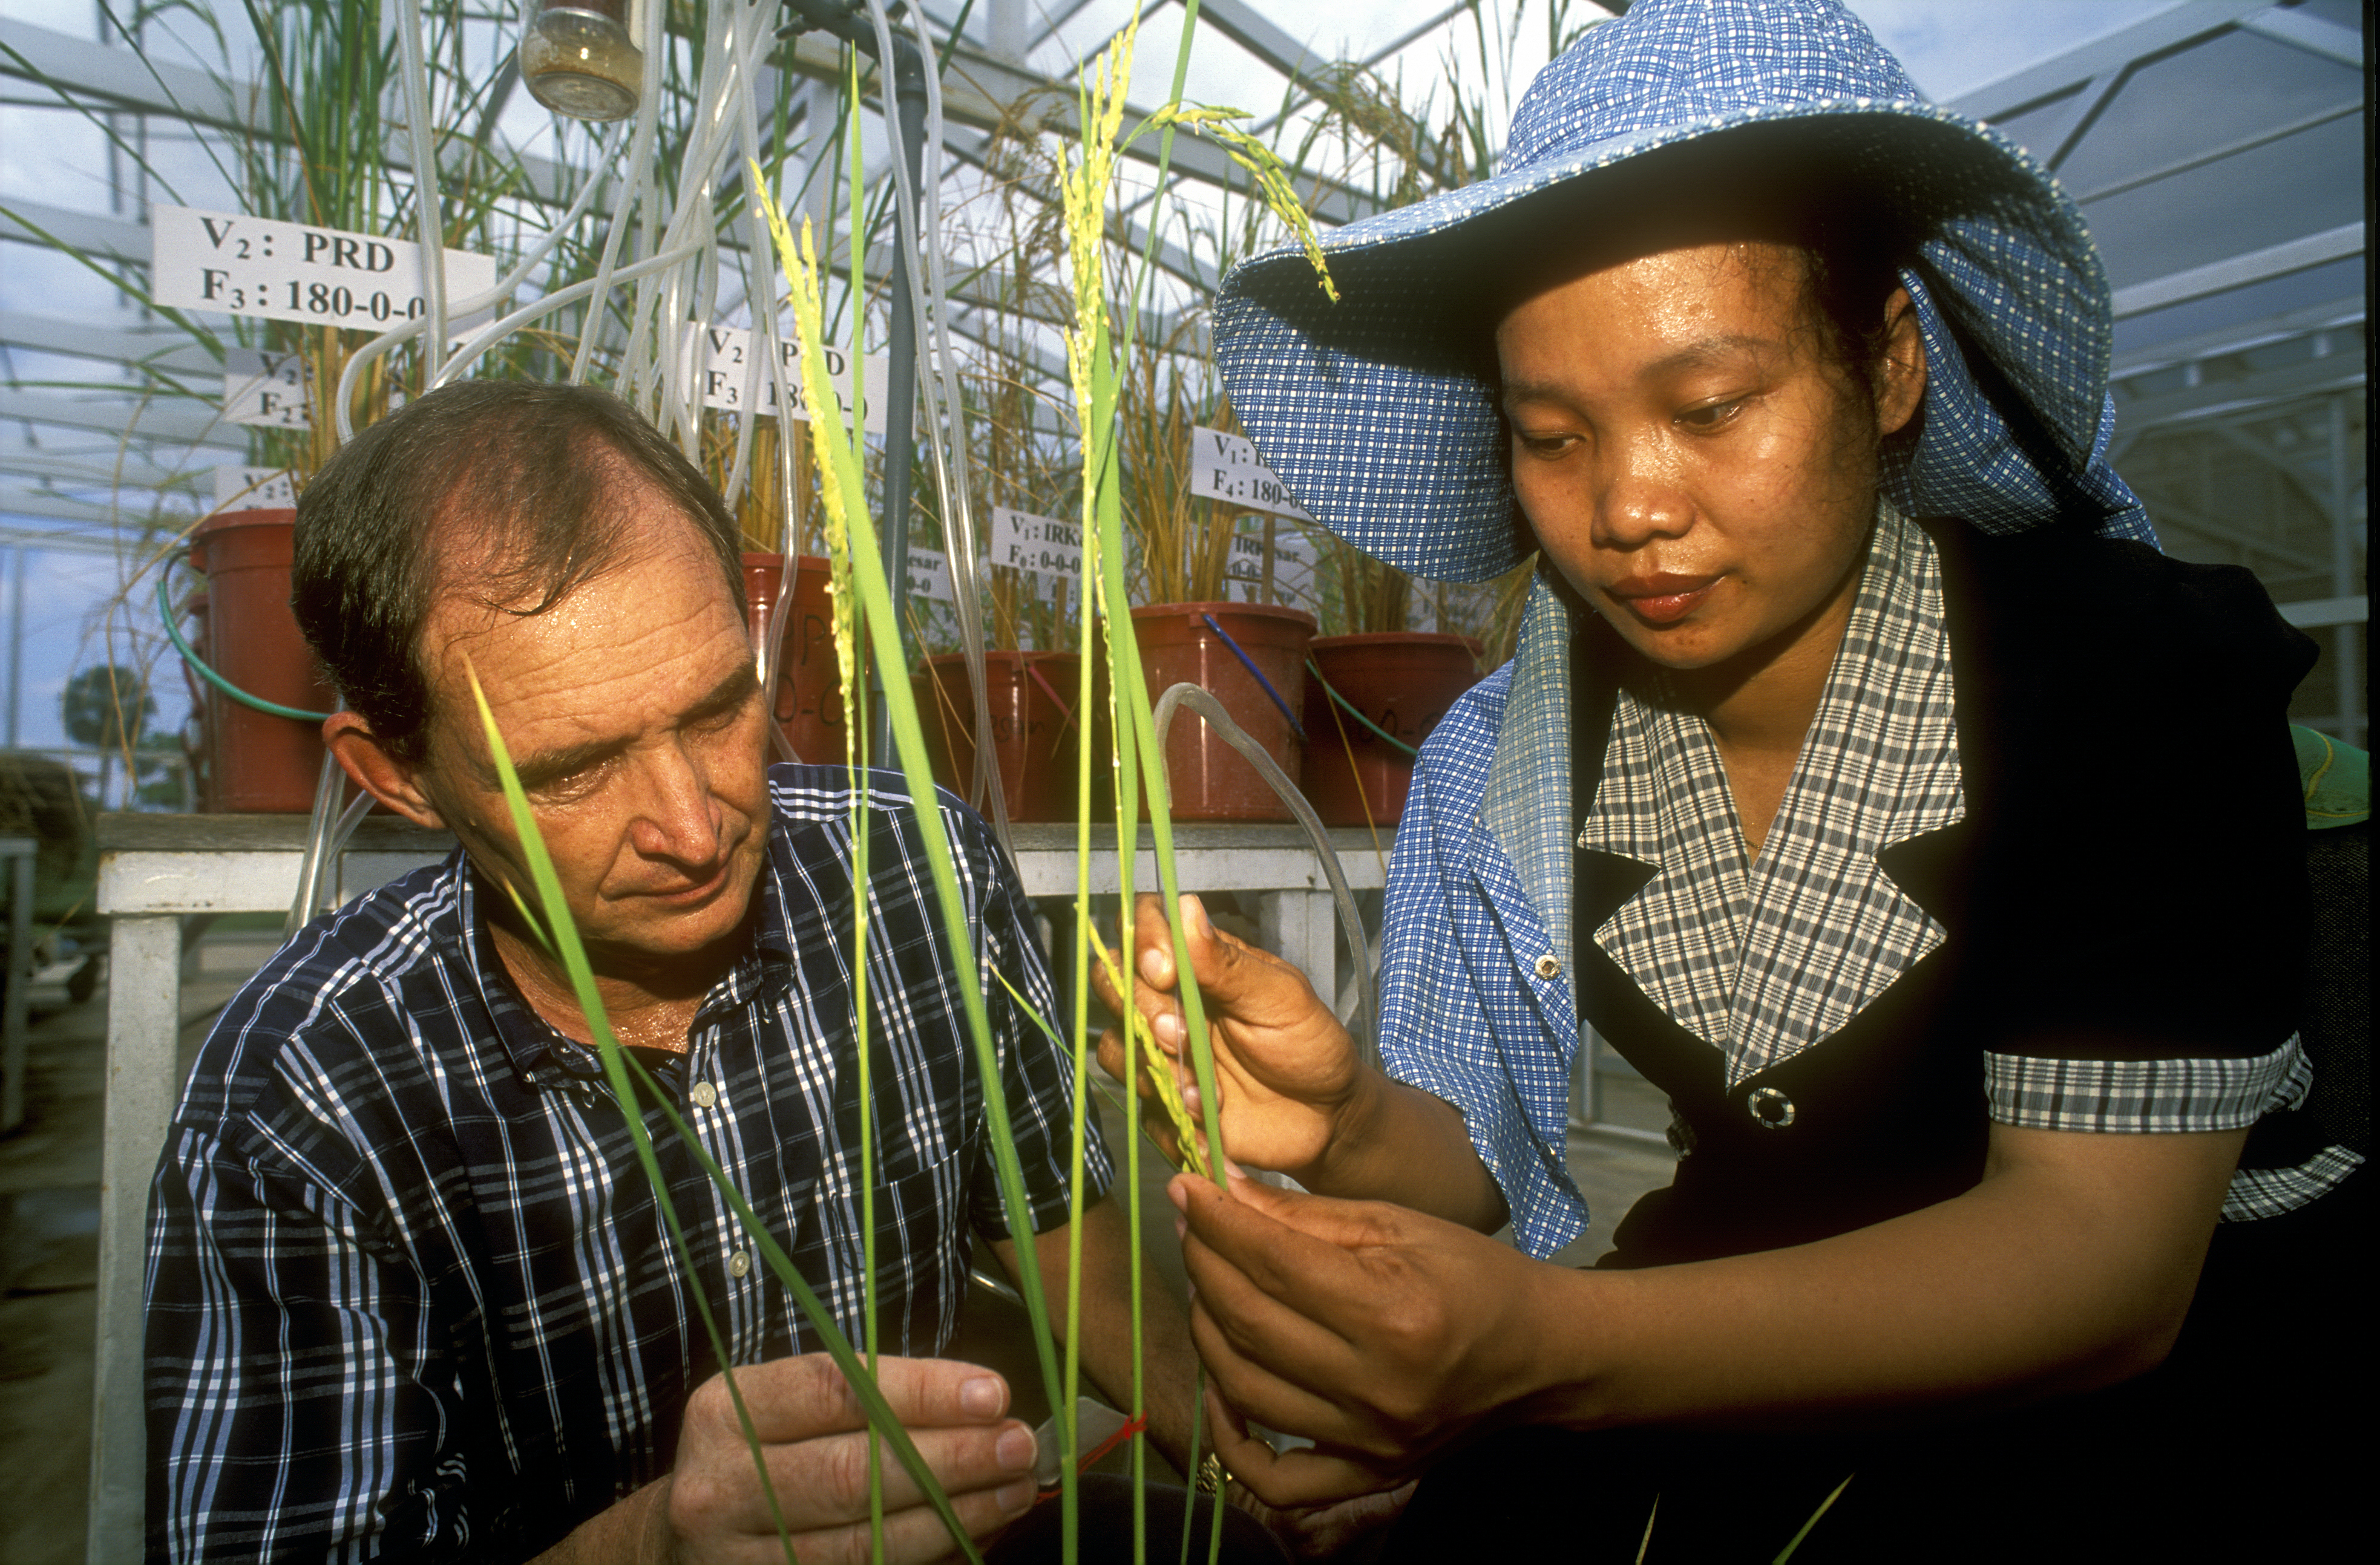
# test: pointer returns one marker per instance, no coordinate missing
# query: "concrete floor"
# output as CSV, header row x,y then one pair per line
x,y
49,1215
49,1253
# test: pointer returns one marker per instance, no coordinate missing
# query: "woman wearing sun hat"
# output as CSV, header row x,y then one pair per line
x,y
1864,776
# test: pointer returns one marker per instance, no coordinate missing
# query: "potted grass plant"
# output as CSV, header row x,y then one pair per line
x,y
1376,689
1032,657
318,131
1251,655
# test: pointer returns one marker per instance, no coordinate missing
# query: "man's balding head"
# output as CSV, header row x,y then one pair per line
x,y
511,493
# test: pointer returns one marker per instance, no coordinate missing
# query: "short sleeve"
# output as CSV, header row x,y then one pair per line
x,y
2143,903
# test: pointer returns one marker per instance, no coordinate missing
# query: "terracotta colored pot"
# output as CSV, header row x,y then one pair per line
x,y
1032,720
1207,778
1403,680
257,762
808,703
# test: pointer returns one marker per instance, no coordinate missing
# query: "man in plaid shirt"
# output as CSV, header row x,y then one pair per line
x,y
410,1295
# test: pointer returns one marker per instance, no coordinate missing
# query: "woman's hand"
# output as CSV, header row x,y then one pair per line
x,y
1322,1531
1381,1333
1289,1073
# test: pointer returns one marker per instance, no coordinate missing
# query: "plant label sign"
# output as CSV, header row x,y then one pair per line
x,y
1051,549
724,354
1225,466
1043,545
265,389
241,265
929,574
1292,569
254,489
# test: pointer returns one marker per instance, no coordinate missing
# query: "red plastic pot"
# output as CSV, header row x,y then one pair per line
x,y
808,702
1403,680
257,762
1207,779
1032,722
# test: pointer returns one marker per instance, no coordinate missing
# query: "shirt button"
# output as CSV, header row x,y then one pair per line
x,y
739,1265
1771,1108
705,1096
1548,966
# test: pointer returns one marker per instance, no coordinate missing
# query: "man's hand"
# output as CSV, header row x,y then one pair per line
x,y
814,1433
711,1506
1287,1070
1378,1332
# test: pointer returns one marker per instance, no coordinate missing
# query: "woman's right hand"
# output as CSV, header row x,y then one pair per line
x,y
1289,1073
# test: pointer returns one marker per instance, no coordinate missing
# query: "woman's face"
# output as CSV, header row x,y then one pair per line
x,y
1690,454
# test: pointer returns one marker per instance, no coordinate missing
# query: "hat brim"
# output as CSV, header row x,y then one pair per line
x,y
1378,411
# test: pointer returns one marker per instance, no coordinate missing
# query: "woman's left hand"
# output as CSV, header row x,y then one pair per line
x,y
1379,1332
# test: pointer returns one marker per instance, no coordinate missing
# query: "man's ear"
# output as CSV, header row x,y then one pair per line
x,y
1901,372
363,756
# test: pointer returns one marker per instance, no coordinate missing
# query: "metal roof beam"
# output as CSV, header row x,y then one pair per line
x,y
2308,376
169,351
1252,31
2291,473
2315,35
92,234
2052,78
988,94
120,78
2339,314
2163,512
36,503
2239,271
180,420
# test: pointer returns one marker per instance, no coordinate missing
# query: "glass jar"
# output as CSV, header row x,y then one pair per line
x,y
578,59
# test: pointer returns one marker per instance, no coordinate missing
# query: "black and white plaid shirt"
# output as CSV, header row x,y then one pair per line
x,y
409,1293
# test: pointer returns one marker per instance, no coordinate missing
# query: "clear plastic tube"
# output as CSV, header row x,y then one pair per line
x,y
640,159
345,399
656,382
938,381
1351,919
490,334
427,202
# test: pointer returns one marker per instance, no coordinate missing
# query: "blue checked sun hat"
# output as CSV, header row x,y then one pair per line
x,y
1377,411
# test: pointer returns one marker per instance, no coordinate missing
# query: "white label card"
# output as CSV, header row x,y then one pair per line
x,y
1043,545
929,574
1225,466
254,489
724,354
1293,568
265,389
241,265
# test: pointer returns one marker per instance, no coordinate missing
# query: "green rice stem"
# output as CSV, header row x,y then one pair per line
x,y
617,1064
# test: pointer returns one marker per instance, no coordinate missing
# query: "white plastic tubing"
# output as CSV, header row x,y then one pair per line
x,y
676,279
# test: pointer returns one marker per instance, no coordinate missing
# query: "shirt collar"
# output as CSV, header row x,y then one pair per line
x,y
540,1053
1764,959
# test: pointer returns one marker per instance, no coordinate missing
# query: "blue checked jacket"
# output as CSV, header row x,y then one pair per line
x,y
409,1294
1488,1021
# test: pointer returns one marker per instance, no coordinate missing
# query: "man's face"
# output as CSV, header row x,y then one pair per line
x,y
634,716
